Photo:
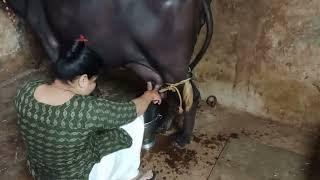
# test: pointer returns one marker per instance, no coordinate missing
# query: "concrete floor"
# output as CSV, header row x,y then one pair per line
x,y
227,145
230,145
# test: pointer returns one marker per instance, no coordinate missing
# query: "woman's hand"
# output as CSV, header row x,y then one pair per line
x,y
148,96
152,94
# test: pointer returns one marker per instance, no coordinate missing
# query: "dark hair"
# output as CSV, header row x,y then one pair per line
x,y
77,61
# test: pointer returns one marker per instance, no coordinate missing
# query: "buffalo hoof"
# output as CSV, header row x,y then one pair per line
x,y
181,140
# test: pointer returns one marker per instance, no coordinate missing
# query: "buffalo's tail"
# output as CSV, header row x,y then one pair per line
x,y
209,25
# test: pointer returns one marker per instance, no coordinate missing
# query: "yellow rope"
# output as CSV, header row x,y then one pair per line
x,y
173,88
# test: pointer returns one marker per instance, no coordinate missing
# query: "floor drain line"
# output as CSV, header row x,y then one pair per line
x,y
215,163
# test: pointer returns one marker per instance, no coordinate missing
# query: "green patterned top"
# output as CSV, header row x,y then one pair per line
x,y
64,142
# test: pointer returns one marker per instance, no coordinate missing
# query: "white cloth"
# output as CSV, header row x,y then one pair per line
x,y
123,164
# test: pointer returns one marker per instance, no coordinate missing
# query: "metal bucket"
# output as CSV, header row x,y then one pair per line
x,y
152,119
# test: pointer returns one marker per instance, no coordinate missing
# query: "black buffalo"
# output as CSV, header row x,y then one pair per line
x,y
154,38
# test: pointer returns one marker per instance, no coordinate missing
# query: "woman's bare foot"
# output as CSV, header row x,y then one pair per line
x,y
144,175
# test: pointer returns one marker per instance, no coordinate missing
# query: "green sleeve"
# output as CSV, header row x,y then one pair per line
x,y
105,114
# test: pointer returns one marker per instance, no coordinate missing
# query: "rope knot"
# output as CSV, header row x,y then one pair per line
x,y
174,88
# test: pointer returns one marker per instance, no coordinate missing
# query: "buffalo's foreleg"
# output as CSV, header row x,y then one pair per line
x,y
185,135
37,19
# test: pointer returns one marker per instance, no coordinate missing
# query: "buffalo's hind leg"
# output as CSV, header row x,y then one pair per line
x,y
167,37
171,114
184,136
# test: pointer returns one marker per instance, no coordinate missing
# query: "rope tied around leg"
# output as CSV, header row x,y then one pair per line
x,y
174,88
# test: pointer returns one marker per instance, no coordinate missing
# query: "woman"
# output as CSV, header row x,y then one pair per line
x,y
67,132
